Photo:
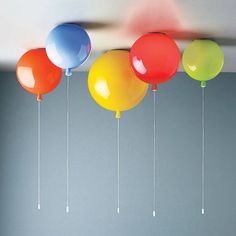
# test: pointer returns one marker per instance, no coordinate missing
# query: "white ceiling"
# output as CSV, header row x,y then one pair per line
x,y
115,24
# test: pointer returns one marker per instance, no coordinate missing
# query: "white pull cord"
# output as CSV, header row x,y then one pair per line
x,y
154,154
118,165
67,141
203,150
39,155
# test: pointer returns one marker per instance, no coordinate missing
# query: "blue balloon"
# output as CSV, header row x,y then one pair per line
x,y
68,46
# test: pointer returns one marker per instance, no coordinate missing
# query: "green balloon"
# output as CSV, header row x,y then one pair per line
x,y
203,60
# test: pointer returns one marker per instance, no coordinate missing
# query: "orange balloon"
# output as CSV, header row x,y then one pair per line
x,y
36,73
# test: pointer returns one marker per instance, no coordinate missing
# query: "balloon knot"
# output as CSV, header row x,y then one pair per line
x,y
117,114
68,72
203,84
39,97
154,87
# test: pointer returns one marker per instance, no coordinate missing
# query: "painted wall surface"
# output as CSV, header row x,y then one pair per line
x,y
93,162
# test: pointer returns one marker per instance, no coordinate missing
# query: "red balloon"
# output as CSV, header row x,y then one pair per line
x,y
36,73
155,58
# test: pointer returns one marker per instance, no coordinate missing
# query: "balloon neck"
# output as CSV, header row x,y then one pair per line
x,y
203,84
39,97
68,72
117,114
154,87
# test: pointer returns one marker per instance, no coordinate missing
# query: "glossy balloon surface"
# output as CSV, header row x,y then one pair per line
x,y
113,84
155,58
68,46
203,59
36,73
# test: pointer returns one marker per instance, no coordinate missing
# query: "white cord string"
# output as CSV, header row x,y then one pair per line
x,y
154,154
203,150
118,166
39,154
67,141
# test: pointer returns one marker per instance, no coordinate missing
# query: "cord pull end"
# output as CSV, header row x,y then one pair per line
x,y
118,210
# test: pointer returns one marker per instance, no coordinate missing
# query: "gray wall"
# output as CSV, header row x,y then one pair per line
x,y
93,162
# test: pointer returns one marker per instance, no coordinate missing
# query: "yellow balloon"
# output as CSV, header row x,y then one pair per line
x,y
203,60
113,84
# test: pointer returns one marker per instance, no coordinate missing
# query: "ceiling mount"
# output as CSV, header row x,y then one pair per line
x,y
91,25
